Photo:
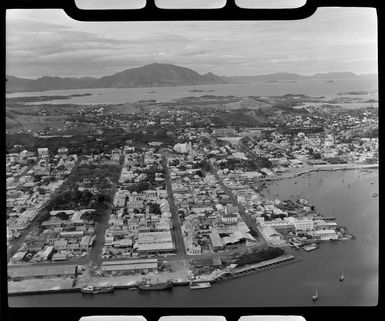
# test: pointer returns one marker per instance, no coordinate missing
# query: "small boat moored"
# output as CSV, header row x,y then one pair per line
x,y
315,296
196,285
94,289
310,247
342,276
147,285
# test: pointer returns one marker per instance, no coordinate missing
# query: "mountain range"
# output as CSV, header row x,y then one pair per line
x,y
153,75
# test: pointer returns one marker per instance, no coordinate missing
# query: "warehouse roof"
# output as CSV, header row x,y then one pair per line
x,y
164,246
128,267
34,271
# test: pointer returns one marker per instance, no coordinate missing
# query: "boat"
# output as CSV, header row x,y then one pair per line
x,y
374,195
315,296
310,247
147,285
342,276
93,289
196,285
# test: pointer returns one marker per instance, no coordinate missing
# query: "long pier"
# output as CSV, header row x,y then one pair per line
x,y
225,276
320,169
259,267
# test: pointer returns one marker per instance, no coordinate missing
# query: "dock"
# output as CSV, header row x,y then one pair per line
x,y
255,268
225,275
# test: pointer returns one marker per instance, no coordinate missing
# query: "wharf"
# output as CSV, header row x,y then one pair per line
x,y
17,293
322,168
224,276
255,268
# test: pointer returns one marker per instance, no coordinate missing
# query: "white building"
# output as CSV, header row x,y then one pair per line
x,y
325,235
183,147
43,152
230,218
303,225
271,234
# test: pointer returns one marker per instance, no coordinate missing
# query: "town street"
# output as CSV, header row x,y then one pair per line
x,y
176,223
249,222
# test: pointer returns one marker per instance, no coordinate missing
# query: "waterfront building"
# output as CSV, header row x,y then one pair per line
x,y
130,266
159,243
17,273
270,234
324,235
18,257
216,240
303,224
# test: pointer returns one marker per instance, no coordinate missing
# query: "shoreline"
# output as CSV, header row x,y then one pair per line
x,y
224,275
182,282
321,169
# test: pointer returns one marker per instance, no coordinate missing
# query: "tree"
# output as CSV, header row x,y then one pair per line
x,y
155,208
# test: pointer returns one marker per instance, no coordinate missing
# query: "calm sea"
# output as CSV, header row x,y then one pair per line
x,y
161,94
347,195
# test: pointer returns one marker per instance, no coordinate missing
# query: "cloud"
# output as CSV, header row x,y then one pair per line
x,y
333,39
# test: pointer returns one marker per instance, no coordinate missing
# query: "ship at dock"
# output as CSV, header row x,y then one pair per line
x,y
147,285
310,247
196,285
93,289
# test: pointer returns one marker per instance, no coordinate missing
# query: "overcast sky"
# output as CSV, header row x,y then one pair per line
x,y
47,42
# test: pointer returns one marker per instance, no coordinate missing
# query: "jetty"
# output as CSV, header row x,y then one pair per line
x,y
255,268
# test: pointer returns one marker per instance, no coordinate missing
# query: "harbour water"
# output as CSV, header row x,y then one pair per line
x,y
314,88
346,195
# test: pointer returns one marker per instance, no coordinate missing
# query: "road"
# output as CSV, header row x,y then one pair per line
x,y
247,219
95,252
176,222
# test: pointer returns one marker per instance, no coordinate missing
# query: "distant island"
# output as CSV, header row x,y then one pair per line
x,y
153,75
157,75
42,98
282,82
200,91
354,93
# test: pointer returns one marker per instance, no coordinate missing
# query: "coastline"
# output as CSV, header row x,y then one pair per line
x,y
224,275
127,283
294,283
321,168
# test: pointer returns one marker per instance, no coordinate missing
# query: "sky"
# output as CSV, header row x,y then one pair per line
x,y
48,42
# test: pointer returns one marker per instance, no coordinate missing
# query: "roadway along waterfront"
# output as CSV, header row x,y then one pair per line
x,y
176,223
